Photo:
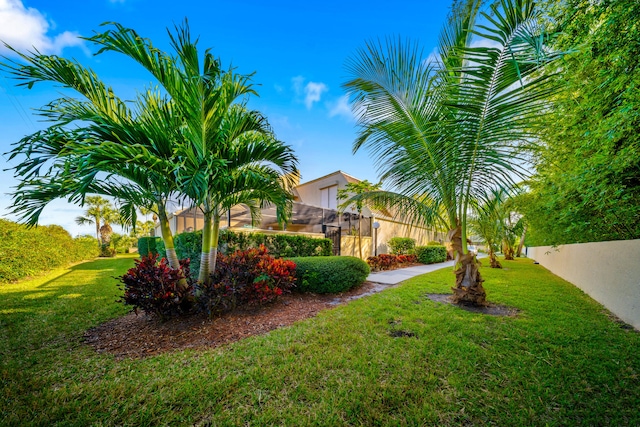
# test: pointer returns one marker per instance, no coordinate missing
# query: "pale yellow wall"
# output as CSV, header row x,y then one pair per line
x,y
608,272
310,193
389,229
349,246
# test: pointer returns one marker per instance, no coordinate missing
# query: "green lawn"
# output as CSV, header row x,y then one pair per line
x,y
561,361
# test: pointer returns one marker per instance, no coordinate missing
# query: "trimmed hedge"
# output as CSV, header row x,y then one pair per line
x,y
329,274
151,245
431,254
402,245
189,245
31,251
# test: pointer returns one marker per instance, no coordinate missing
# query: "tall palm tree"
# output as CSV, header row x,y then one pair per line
x,y
164,145
221,139
447,131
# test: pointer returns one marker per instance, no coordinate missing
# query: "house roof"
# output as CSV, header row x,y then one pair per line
x,y
346,176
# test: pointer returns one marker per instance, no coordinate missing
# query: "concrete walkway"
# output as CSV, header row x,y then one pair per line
x,y
392,277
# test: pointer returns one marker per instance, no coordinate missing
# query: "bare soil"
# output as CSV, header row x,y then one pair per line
x,y
490,309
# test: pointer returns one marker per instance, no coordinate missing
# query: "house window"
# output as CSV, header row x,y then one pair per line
x,y
329,197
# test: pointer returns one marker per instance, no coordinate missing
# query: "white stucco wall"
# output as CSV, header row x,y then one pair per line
x,y
608,272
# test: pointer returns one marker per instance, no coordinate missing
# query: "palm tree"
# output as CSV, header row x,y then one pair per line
x,y
356,188
447,132
181,143
221,139
488,224
132,145
98,210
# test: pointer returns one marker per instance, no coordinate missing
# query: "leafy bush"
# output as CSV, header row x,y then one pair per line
x,y
188,245
278,245
156,288
121,243
86,247
401,245
407,259
248,277
431,254
30,251
107,251
330,274
150,245
390,261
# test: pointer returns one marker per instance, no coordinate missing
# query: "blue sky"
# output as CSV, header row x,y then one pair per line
x,y
297,50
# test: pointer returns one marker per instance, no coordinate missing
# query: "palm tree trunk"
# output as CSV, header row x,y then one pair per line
x,y
360,234
213,254
167,238
493,261
521,244
203,275
508,251
468,289
98,233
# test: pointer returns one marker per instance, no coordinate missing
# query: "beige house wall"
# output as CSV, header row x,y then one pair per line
x,y
389,229
608,272
310,193
349,246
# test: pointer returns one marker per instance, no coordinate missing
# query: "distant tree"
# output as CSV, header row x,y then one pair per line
x,y
487,224
143,228
100,212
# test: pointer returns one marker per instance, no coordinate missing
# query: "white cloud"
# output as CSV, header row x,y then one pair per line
x,y
26,28
297,83
312,91
433,59
482,42
342,108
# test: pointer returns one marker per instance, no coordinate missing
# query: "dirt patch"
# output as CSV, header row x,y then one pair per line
x,y
490,309
141,336
396,333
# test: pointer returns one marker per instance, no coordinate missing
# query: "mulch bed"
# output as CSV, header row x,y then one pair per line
x,y
139,336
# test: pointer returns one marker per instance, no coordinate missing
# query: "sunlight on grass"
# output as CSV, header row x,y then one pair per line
x,y
71,296
37,295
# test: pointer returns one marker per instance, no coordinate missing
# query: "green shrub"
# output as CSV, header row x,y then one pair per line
x,y
329,274
278,245
121,243
147,245
86,247
431,254
189,245
401,245
30,251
